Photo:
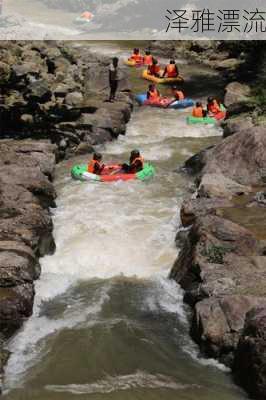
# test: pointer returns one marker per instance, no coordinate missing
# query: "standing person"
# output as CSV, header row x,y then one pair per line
x,y
113,78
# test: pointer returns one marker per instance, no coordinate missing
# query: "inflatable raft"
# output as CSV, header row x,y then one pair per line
x,y
111,173
196,120
142,100
82,21
208,120
132,63
152,78
84,18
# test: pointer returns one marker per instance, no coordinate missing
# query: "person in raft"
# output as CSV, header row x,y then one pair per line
x,y
198,111
136,163
86,15
147,59
95,166
171,70
154,69
113,78
213,106
136,56
153,94
177,94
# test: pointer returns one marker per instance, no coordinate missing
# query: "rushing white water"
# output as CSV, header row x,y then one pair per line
x,y
107,281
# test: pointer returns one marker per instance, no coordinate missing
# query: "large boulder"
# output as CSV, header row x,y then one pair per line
x,y
236,92
39,91
240,157
250,360
191,209
74,99
26,193
217,185
218,323
237,124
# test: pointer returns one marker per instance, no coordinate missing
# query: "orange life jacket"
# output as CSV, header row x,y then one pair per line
x,y
179,95
141,159
214,107
154,95
171,70
147,60
154,69
87,15
197,112
92,164
137,58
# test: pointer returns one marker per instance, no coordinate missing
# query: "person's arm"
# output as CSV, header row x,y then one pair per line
x,y
164,73
177,70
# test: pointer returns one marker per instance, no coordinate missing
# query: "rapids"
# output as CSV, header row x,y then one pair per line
x,y
107,323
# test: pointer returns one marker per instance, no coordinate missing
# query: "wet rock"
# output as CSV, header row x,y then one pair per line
x,y
228,64
237,124
39,91
199,207
195,164
74,99
27,68
51,85
218,323
240,157
15,306
26,194
84,148
5,72
217,185
236,93
250,361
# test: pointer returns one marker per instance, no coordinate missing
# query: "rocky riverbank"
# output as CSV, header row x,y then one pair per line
x,y
222,264
52,106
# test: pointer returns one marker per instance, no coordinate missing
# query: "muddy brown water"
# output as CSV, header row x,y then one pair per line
x,y
107,322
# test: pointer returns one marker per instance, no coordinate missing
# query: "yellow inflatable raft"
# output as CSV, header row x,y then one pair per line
x,y
146,75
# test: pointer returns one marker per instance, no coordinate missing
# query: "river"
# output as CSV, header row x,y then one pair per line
x,y
107,323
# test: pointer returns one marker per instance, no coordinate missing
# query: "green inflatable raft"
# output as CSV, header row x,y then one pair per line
x,y
195,120
111,173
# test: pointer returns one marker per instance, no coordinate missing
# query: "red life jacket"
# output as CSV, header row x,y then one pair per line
x,y
179,95
147,60
214,107
171,71
154,95
137,58
92,165
154,69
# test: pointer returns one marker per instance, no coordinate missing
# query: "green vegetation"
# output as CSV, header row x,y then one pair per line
x,y
215,254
